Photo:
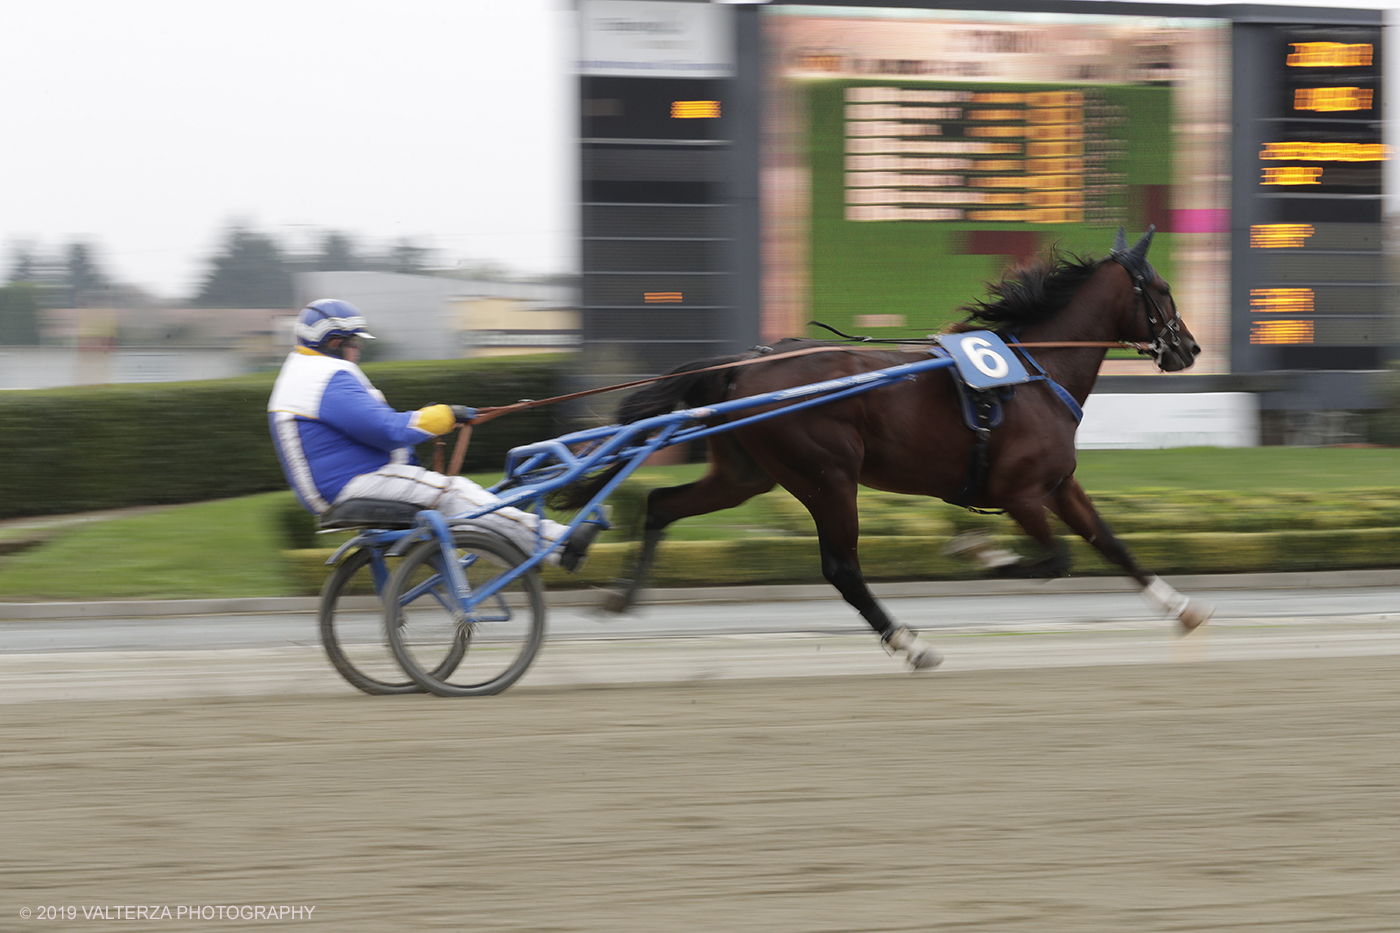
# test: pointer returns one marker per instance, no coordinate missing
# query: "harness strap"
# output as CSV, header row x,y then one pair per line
x,y
978,459
1055,387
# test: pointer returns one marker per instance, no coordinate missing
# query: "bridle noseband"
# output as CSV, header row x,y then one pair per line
x,y
1165,334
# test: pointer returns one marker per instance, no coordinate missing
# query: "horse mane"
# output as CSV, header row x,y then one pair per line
x,y
1028,294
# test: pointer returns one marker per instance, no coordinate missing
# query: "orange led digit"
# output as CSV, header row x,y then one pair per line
x,y
1329,55
694,109
1332,99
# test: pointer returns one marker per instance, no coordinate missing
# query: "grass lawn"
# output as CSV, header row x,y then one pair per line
x,y
1246,469
231,547
1241,469
1204,469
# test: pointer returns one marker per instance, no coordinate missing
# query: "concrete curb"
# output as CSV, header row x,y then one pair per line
x,y
1192,583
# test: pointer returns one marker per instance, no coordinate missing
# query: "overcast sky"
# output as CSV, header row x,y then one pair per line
x,y
149,126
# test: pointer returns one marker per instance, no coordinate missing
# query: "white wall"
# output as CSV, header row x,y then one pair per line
x,y
1187,419
54,367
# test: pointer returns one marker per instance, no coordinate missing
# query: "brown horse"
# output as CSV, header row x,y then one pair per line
x,y
909,437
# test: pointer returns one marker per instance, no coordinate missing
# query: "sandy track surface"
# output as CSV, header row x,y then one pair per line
x,y
1222,796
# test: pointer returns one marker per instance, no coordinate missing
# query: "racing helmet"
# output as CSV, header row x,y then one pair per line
x,y
325,318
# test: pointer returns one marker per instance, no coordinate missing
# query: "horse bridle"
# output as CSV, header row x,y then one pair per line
x,y
1165,334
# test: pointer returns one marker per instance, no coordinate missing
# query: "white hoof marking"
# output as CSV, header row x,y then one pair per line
x,y
978,546
1189,613
1194,616
920,654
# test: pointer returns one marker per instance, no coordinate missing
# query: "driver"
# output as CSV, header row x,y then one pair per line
x,y
337,438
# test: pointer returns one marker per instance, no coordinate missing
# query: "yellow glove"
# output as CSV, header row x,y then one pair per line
x,y
435,419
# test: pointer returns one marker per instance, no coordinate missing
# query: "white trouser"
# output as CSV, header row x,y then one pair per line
x,y
452,495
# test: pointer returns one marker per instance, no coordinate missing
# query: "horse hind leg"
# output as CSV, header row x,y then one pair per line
x,y
623,594
832,505
920,654
713,492
841,568
1074,507
1030,515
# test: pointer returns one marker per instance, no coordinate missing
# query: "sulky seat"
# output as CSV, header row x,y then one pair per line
x,y
369,513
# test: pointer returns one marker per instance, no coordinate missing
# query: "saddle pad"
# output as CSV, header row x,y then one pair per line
x,y
992,412
983,360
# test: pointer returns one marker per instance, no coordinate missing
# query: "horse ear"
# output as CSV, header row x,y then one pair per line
x,y
1120,242
1139,250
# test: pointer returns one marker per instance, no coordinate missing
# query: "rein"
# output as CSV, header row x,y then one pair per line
x,y
459,452
1109,344
489,413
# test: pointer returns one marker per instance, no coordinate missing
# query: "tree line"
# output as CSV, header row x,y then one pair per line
x,y
248,269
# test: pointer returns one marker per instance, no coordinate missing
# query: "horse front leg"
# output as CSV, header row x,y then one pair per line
x,y
1074,507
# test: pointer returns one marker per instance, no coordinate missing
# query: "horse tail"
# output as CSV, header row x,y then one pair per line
x,y
693,388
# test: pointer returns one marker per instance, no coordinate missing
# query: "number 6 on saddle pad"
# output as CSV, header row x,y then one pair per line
x,y
983,360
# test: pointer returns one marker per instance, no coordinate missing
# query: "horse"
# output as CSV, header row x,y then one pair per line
x,y
910,437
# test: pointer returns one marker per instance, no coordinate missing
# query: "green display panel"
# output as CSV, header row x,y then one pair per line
x,y
921,193
912,156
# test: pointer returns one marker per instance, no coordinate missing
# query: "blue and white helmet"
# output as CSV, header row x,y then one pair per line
x,y
325,318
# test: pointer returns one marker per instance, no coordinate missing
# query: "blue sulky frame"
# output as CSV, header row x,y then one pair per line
x,y
535,470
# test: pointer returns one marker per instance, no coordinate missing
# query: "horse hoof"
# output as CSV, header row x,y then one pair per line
x,y
615,602
920,654
967,541
925,660
1194,616
977,546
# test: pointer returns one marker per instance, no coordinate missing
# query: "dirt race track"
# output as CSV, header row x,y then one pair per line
x,y
1245,795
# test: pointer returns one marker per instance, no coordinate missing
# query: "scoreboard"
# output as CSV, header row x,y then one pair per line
x,y
747,169
914,155
982,155
662,234
1312,288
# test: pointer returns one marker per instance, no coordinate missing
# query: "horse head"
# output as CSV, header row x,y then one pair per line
x,y
1155,319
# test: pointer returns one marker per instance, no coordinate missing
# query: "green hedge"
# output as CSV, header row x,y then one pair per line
x,y
1170,531
1145,511
101,447
895,558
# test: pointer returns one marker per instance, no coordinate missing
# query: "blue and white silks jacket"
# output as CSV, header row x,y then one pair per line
x,y
330,424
